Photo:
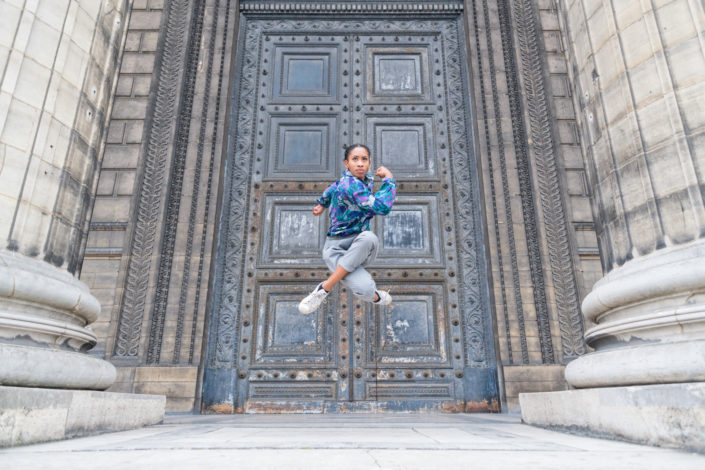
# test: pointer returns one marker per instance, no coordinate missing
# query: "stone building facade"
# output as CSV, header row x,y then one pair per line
x,y
552,142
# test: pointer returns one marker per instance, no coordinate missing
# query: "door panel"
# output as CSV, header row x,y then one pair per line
x,y
317,90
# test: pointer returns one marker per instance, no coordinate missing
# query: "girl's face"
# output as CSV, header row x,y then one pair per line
x,y
358,162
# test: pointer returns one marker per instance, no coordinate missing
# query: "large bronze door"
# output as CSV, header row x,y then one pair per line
x,y
306,90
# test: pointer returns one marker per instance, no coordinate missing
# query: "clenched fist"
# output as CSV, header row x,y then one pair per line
x,y
383,172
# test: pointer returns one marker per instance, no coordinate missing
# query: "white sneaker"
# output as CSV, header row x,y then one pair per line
x,y
384,297
313,300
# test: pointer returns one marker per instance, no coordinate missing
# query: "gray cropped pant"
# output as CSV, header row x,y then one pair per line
x,y
352,253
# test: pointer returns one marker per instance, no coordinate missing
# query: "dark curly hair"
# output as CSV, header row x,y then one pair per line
x,y
352,147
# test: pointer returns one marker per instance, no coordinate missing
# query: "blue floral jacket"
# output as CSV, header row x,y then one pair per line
x,y
352,204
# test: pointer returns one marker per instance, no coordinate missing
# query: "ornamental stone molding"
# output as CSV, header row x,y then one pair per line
x,y
259,7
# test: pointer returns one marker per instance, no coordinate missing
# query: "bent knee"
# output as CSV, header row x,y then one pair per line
x,y
366,293
368,237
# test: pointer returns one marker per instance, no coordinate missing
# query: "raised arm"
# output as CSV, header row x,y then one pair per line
x,y
379,203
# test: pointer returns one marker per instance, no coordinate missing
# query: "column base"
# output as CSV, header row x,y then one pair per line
x,y
669,415
31,415
648,364
44,328
27,366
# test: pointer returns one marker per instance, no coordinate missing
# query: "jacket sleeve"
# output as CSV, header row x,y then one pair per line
x,y
327,196
379,203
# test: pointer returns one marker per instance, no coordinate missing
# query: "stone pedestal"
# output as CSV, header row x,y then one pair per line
x,y
44,331
670,415
31,415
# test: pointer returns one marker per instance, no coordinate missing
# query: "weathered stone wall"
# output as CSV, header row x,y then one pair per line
x,y
543,248
111,212
574,180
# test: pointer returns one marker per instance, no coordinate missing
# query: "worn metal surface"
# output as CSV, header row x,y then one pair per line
x,y
318,86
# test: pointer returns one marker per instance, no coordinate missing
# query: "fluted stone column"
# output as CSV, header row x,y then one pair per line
x,y
57,63
640,68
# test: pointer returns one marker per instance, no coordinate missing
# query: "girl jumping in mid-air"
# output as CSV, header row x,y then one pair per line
x,y
349,244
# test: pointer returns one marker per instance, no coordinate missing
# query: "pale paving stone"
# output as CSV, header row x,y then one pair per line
x,y
386,441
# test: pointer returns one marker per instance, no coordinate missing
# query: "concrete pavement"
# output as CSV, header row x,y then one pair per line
x,y
388,441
